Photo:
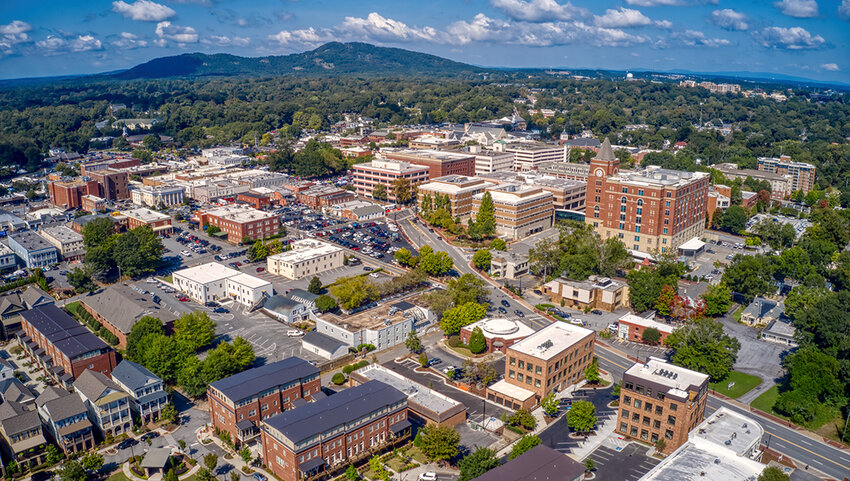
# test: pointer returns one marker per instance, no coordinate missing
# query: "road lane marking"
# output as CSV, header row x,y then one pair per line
x,y
847,468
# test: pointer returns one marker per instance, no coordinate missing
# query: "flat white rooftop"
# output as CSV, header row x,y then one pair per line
x,y
677,378
238,213
416,392
501,328
510,391
699,460
146,215
304,250
551,340
646,323
249,281
206,273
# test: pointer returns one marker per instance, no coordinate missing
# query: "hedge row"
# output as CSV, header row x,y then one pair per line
x,y
353,367
18,283
83,315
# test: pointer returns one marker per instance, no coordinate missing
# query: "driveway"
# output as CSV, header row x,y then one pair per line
x,y
757,357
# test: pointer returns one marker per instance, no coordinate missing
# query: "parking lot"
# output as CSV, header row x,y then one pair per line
x,y
628,464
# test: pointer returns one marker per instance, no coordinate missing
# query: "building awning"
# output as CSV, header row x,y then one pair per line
x,y
312,465
245,425
693,245
38,352
400,426
67,377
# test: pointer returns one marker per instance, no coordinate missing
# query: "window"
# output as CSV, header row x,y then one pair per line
x,y
522,364
648,407
635,417
624,427
671,420
623,200
640,201
627,400
673,406
511,374
625,190
668,434
634,431
624,413
538,370
659,410
519,376
513,361
637,227
637,238
656,424
653,438
646,421
622,208
644,434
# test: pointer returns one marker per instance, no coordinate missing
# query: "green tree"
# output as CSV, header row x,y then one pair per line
x,y
651,335
524,444
258,251
582,416
773,473
485,220
549,404
194,330
92,461
169,413
144,327
402,190
439,443
338,379
498,244
402,256
351,473
521,417
380,192
462,315
750,276
211,461
315,286
353,292
72,470
423,359
477,463
467,288
190,377
664,303
436,264
718,299
138,251
152,142
734,219
325,303
171,475
245,454
212,230
53,454
412,343
703,346
592,372
477,342
482,258
660,445
98,231
80,279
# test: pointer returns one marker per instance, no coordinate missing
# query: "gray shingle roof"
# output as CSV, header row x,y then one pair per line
x,y
34,297
16,419
254,381
14,390
540,463
63,406
322,341
305,422
63,331
122,307
281,305
133,375
92,384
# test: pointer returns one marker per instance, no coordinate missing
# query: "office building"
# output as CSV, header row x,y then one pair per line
x,y
66,241
240,222
93,203
69,194
107,404
369,175
238,403
439,163
594,293
66,418
61,346
781,186
118,307
383,326
319,196
158,222
212,190
661,400
802,175
530,156
631,328
520,210
499,333
215,282
147,394
547,361
459,190
32,249
328,434
566,194
427,406
649,210
112,184
158,195
306,258
726,446
488,161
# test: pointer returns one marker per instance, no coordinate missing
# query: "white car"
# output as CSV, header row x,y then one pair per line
x,y
428,476
150,280
577,322
186,254
294,333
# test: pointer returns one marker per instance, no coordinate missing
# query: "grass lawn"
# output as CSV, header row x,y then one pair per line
x,y
169,279
766,400
744,383
72,306
416,454
737,314
118,476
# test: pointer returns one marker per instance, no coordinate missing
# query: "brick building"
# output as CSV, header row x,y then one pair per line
x,y
319,196
61,346
661,400
650,210
631,328
240,221
499,333
334,431
781,186
112,184
238,403
69,194
547,361
257,201
439,163
118,307
369,175
87,168
93,203
160,223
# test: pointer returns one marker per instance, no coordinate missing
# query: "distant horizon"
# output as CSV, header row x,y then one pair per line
x,y
749,76
805,38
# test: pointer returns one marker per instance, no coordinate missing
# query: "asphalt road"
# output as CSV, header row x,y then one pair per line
x,y
778,437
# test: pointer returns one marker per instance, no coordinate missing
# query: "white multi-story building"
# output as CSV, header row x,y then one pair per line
x,y
160,195
487,161
307,257
383,326
214,282
529,156
7,258
520,210
69,243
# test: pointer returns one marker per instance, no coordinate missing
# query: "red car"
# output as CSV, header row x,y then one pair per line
x,y
183,299
260,269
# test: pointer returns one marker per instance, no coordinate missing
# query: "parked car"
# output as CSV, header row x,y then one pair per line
x,y
183,299
435,361
429,476
367,268
260,477
519,313
502,310
150,435
506,303
294,333
261,269
597,312
220,310
577,322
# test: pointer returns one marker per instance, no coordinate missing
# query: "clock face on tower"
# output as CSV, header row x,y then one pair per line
x,y
599,172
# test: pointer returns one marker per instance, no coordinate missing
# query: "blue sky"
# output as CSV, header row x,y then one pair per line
x,y
807,38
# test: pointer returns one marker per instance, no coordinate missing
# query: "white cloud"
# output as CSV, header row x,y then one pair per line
x,y
694,38
168,31
307,36
730,19
376,27
12,34
798,8
663,23
832,67
794,38
55,44
655,3
844,9
225,41
539,10
481,29
144,10
622,17
129,41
